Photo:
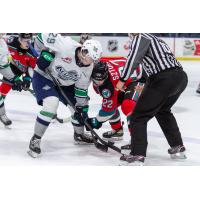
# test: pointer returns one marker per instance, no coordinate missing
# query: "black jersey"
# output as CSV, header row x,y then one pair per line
x,y
152,53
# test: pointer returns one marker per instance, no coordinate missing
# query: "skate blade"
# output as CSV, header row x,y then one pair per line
x,y
113,139
33,154
136,163
178,156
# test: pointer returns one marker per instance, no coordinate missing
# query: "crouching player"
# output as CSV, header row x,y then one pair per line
x,y
71,64
105,76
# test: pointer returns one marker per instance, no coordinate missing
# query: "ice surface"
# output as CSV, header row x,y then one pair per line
x,y
59,149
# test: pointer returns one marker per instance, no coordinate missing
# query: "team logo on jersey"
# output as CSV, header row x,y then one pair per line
x,y
106,93
112,45
67,60
66,75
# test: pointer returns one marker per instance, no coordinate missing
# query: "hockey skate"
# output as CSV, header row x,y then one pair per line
x,y
114,135
5,120
177,152
130,160
83,138
126,148
34,147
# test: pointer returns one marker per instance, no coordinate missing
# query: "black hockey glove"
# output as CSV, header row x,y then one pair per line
x,y
26,82
94,123
45,59
17,84
81,114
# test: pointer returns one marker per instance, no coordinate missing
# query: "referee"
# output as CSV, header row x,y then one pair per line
x,y
165,83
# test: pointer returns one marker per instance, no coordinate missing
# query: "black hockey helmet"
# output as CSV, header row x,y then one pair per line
x,y
26,35
100,71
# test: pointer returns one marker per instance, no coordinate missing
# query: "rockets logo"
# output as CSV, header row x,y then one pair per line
x,y
106,93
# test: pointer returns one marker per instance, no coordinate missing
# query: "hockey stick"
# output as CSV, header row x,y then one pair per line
x,y
103,146
96,143
63,120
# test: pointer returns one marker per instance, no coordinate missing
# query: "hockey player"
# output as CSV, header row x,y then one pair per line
x,y
21,59
117,128
71,64
105,77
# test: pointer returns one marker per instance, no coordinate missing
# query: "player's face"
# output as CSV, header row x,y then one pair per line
x,y
97,82
85,59
24,43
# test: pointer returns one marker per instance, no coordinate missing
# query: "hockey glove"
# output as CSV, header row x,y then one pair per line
x,y
26,82
17,84
94,123
81,114
45,59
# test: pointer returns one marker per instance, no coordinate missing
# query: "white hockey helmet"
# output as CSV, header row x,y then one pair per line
x,y
92,48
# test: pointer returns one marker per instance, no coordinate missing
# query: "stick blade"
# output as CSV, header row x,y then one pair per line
x,y
101,147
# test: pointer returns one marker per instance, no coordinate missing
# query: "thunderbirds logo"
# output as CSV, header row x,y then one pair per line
x,y
66,75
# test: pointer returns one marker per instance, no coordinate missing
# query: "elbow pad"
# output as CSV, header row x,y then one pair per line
x,y
45,59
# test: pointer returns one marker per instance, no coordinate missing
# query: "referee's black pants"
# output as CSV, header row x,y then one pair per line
x,y
159,95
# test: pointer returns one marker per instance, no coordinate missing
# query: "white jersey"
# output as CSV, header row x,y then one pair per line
x,y
64,67
5,69
4,53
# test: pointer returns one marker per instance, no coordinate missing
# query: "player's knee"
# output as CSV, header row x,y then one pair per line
x,y
128,106
50,104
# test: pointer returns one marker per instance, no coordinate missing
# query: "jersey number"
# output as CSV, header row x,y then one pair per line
x,y
51,38
107,103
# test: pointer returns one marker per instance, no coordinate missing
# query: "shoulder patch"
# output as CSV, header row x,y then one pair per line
x,y
106,93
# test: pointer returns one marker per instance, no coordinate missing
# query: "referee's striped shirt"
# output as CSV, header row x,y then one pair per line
x,y
152,53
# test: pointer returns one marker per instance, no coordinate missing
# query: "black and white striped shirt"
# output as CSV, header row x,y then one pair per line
x,y
152,53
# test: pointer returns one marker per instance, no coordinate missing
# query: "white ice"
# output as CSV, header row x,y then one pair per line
x,y
58,147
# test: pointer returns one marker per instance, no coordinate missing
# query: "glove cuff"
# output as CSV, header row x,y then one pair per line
x,y
17,78
82,109
27,78
47,56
